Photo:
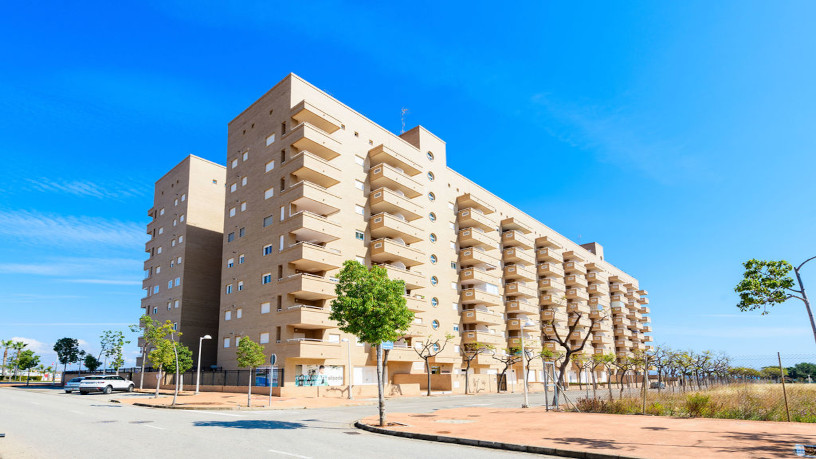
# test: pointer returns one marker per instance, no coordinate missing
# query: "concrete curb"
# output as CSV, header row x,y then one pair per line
x,y
228,408
491,444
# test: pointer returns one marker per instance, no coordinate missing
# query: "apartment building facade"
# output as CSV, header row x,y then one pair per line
x,y
310,183
183,267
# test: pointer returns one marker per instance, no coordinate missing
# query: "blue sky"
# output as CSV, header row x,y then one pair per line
x,y
678,135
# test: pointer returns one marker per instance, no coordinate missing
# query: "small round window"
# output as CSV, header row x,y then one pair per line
x,y
433,259
434,280
430,156
431,196
432,217
436,347
434,302
435,324
432,237
431,176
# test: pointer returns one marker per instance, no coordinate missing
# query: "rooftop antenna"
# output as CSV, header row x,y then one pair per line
x,y
403,113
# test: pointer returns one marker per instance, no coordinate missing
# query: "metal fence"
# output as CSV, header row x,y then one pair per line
x,y
262,377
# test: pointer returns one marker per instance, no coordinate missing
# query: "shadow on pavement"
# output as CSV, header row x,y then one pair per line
x,y
251,424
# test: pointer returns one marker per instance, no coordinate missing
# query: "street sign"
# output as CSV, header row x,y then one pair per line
x,y
272,359
387,345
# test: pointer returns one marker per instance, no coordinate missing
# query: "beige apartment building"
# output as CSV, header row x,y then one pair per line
x,y
183,269
310,183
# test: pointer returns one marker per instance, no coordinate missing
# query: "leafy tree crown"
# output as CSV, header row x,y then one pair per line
x,y
67,350
764,283
249,353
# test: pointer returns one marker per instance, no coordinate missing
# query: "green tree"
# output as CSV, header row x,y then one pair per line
x,y
6,345
429,349
772,372
768,283
26,360
112,343
67,350
371,307
250,355
17,346
163,350
801,371
92,363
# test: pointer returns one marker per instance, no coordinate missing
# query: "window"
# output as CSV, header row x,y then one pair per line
x,y
169,284
280,243
435,324
453,245
161,212
432,237
241,259
268,221
434,280
270,165
431,196
270,140
430,155
241,232
450,205
240,286
283,156
453,265
169,305
175,325
175,202
264,338
238,313
455,306
155,311
158,269
452,225
432,217
453,285
155,289
277,334
359,185
184,197
433,259
359,235
283,128
226,342
234,163
181,218
175,222
282,213
177,282
267,249
360,260
265,308
269,193
228,315
178,260
181,239
233,187
246,155
173,243
359,209
456,328
232,212
230,262
230,237
243,206
229,289
359,160
161,230
243,181
176,304
435,303
431,176
267,278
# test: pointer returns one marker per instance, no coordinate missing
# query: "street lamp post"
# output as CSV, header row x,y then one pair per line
x,y
350,369
198,367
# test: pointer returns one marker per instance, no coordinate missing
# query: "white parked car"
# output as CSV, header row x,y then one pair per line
x,y
105,384
73,384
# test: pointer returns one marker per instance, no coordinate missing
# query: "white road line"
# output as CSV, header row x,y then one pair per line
x,y
153,427
288,454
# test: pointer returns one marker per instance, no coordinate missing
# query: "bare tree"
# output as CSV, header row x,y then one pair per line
x,y
508,357
567,341
470,351
430,349
624,364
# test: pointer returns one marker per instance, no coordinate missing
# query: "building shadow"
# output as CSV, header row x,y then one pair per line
x,y
251,424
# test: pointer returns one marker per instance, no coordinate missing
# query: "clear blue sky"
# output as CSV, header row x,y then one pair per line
x,y
680,135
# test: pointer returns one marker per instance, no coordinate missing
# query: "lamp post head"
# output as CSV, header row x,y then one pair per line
x,y
206,337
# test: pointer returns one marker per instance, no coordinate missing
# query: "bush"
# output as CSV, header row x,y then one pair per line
x,y
697,404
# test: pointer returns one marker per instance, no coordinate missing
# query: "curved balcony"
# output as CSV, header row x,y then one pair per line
x,y
478,336
309,227
306,137
383,154
309,167
517,255
552,300
575,280
385,225
471,218
597,289
386,200
475,257
413,279
530,342
384,175
518,290
518,324
472,275
549,254
521,307
551,285
474,316
599,301
388,251
313,198
416,303
643,300
471,237
552,315
306,316
520,272
475,296
577,294
305,256
418,330
574,267
513,238
468,200
550,269
596,278
577,306
309,287
548,241
306,348
304,112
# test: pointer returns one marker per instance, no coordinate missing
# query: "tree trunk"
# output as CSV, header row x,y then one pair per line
x,y
158,381
594,385
249,389
428,371
806,301
381,397
659,380
176,389
467,375
609,384
141,373
622,377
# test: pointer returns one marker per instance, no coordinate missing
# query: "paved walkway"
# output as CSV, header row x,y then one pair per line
x,y
225,400
624,435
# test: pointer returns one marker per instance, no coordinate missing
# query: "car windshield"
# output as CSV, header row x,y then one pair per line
x,y
93,378
76,380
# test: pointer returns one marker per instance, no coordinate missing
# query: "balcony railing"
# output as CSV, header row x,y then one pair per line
x,y
306,226
384,224
309,286
518,255
305,112
384,154
550,269
476,296
306,256
386,200
473,218
469,200
307,348
312,168
525,273
384,175
413,279
312,197
513,238
472,237
386,250
306,137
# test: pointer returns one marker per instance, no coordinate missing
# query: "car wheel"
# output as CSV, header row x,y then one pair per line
x,y
67,391
82,392
130,388
108,389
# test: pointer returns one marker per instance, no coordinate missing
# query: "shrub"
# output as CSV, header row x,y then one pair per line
x,y
697,404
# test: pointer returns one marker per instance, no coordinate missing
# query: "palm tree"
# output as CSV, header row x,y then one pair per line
x,y
6,345
17,346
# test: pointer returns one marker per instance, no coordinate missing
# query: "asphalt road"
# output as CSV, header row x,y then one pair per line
x,y
46,423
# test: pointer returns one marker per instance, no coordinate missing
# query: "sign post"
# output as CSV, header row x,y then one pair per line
x,y
272,359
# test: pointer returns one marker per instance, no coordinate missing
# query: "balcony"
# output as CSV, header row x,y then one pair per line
x,y
513,238
305,256
530,342
601,339
471,237
413,279
597,289
552,315
309,287
648,339
642,292
385,155
416,303
473,336
574,280
549,254
385,200
551,285
598,301
309,167
383,175
309,227
550,269
470,276
313,198
388,251
621,321
473,316
617,288
574,256
643,300
518,324
471,218
521,272
647,329
552,346
475,257
519,290
512,224
551,300
548,241
578,306
141,342
596,278
384,224
517,255
306,137
622,343
645,310
520,307
574,267
305,316
306,348
468,200
577,294
401,353
476,296
418,330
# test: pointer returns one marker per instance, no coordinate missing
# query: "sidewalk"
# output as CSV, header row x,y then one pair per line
x,y
609,434
232,401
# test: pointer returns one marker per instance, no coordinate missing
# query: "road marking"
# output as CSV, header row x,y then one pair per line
x,y
153,427
288,454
